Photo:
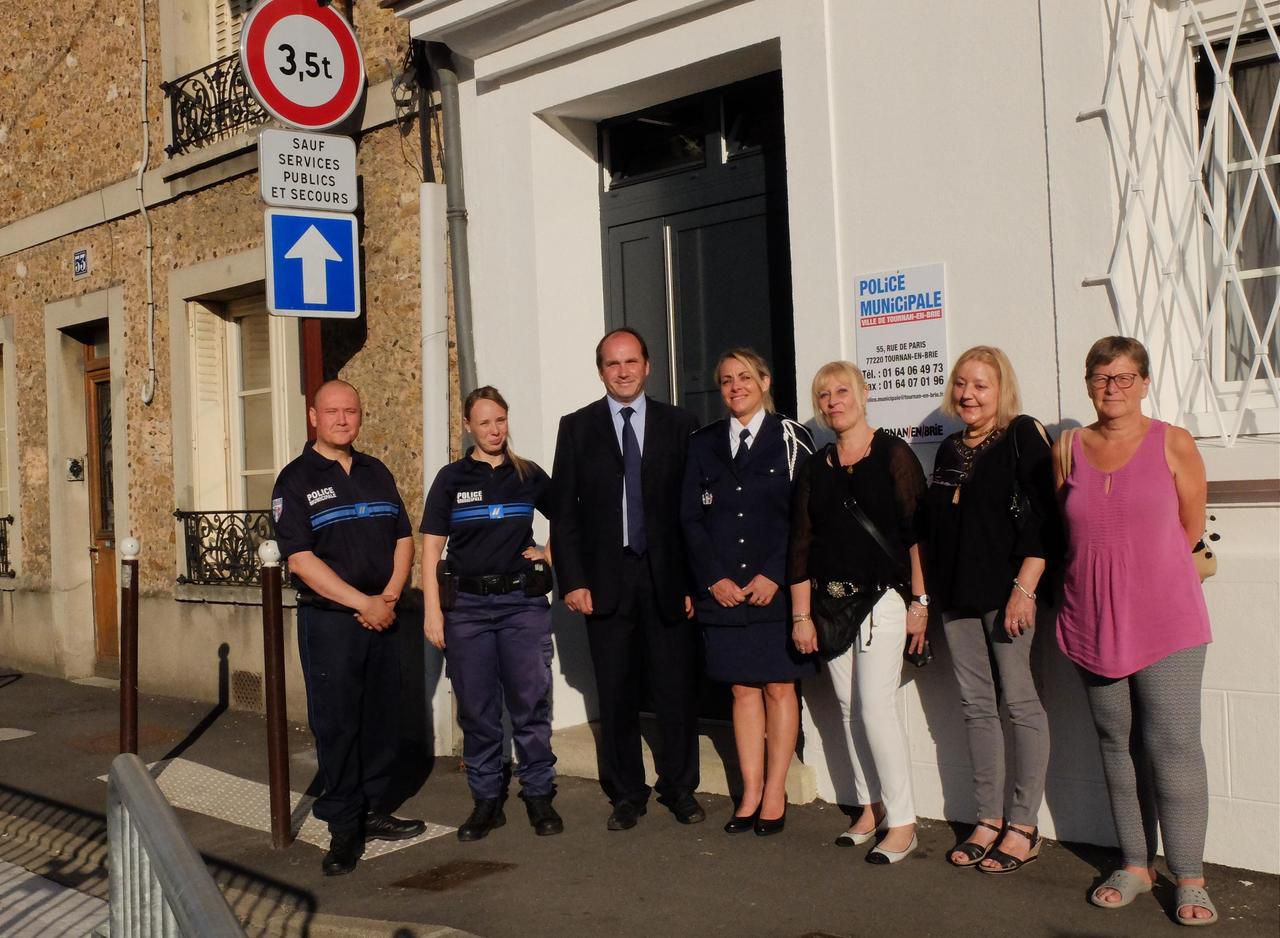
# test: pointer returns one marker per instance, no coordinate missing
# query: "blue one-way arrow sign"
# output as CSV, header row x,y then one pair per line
x,y
313,264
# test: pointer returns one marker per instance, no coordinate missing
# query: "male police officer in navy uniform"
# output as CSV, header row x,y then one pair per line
x,y
343,527
619,556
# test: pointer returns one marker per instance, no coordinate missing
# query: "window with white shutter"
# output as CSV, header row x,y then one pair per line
x,y
226,18
240,412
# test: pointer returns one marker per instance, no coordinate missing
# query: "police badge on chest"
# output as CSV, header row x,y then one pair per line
x,y
707,497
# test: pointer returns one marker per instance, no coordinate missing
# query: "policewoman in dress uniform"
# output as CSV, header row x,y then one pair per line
x,y
735,509
488,611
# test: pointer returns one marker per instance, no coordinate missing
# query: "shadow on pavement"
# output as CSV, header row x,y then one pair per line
x,y
224,695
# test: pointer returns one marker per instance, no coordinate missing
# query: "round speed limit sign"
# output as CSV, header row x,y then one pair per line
x,y
302,62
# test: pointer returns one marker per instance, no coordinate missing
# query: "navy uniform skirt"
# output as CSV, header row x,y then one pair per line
x,y
759,653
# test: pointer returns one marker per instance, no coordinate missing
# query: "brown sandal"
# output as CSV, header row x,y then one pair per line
x,y
1011,864
974,853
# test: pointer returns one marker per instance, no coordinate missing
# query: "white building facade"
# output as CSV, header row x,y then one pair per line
x,y
1079,167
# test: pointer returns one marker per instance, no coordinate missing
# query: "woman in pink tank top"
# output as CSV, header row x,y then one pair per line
x,y
1134,620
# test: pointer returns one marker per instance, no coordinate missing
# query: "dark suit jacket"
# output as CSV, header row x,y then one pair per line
x,y
586,515
736,522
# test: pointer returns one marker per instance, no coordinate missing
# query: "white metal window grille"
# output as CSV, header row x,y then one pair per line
x,y
1195,266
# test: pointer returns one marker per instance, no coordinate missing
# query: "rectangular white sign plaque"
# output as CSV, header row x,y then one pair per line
x,y
305,170
901,331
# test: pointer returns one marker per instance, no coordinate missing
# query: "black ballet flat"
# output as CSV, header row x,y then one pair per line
x,y
772,826
740,824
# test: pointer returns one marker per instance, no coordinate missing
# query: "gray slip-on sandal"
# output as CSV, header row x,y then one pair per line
x,y
1129,885
1196,896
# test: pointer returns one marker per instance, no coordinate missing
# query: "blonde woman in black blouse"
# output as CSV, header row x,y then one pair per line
x,y
831,550
992,523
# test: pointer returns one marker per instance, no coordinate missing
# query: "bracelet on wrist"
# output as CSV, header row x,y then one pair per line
x,y
1023,590
800,617
923,614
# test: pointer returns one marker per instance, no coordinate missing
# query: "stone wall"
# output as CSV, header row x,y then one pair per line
x,y
69,115
59,140
69,85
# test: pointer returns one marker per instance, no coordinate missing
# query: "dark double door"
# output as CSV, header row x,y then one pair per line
x,y
698,259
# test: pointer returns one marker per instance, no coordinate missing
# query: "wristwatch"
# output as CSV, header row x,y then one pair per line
x,y
922,599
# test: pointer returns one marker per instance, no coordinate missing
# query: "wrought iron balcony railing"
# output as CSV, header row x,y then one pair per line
x,y
209,104
5,568
222,546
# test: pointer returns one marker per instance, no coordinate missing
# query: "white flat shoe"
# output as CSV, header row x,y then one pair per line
x,y
881,856
852,838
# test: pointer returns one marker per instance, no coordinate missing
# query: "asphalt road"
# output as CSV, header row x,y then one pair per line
x,y
660,879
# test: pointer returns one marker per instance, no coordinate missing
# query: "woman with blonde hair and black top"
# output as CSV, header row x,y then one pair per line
x,y
837,552
991,524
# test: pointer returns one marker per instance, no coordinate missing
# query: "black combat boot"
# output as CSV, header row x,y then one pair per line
x,y
542,816
485,816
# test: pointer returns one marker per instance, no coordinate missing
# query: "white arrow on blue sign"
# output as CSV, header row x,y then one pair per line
x,y
313,264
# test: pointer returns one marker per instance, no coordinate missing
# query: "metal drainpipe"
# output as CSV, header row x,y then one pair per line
x,y
456,213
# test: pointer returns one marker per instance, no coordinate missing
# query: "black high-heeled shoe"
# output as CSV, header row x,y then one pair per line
x,y
740,824
771,826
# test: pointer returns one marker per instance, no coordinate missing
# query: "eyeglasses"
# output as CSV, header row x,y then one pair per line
x,y
1123,381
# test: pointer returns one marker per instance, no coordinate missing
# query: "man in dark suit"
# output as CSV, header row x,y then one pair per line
x,y
620,561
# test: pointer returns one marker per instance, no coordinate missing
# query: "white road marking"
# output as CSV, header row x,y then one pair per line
x,y
195,787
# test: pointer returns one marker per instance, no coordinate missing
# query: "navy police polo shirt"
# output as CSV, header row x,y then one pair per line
x,y
351,522
486,513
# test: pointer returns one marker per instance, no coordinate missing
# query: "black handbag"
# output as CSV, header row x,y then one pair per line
x,y
838,611
920,658
1019,501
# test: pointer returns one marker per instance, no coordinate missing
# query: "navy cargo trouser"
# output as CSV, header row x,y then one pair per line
x,y
353,701
498,650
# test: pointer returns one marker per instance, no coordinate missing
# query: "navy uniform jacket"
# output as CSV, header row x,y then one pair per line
x,y
737,525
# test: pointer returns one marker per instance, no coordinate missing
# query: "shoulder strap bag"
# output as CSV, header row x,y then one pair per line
x,y
839,609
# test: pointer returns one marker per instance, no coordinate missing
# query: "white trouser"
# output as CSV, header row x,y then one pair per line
x,y
875,730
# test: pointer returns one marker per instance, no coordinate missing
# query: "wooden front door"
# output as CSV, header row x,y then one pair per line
x,y
102,515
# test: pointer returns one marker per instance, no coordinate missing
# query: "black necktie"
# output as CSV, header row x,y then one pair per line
x,y
740,457
631,473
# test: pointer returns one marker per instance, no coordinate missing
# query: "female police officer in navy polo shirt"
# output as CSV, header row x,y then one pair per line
x,y
494,623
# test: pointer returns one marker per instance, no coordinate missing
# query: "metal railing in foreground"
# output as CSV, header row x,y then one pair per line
x,y
158,883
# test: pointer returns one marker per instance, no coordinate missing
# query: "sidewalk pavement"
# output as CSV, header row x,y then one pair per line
x,y
660,879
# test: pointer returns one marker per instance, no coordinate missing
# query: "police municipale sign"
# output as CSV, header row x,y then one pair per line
x,y
302,62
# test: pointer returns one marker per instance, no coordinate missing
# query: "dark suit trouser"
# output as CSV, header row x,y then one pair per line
x,y
621,642
353,701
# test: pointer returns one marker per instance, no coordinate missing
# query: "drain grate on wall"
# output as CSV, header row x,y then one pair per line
x,y
246,691
454,874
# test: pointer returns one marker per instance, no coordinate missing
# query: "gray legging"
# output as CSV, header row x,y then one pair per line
x,y
979,647
1155,765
